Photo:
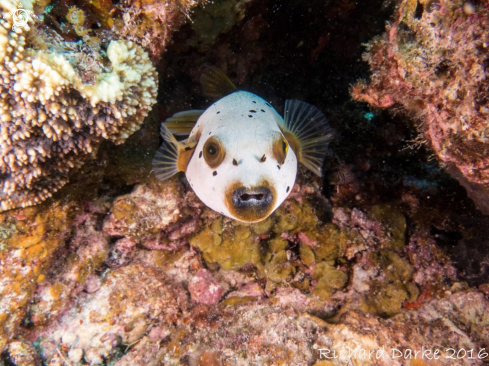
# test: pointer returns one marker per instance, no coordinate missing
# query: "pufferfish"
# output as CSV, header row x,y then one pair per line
x,y
241,156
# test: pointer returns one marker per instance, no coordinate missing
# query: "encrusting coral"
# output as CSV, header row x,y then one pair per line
x,y
433,62
51,119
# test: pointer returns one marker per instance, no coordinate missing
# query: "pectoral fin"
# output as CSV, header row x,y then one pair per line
x,y
182,123
308,133
173,156
215,83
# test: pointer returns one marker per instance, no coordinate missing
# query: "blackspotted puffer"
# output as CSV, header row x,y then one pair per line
x,y
241,156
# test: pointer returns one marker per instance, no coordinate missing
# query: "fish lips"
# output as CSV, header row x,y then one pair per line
x,y
256,197
250,204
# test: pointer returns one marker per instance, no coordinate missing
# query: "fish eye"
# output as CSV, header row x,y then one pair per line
x,y
280,148
212,149
285,146
213,152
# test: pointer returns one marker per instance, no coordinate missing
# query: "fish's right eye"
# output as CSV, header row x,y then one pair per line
x,y
213,152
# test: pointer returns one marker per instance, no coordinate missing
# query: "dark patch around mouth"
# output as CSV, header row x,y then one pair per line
x,y
243,197
250,204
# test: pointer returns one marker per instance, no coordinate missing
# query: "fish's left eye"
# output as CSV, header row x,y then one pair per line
x,y
213,152
285,146
280,148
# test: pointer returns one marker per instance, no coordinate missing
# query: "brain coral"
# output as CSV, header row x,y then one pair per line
x,y
434,62
52,115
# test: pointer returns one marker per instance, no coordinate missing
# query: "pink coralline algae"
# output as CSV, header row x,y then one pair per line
x,y
432,61
204,288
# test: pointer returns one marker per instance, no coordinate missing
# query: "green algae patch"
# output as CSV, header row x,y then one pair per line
x,y
395,223
264,226
307,255
231,250
278,270
386,301
294,217
394,267
329,279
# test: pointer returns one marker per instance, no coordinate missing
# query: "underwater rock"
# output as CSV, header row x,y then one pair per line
x,y
445,89
150,23
23,354
204,289
55,293
27,250
119,313
248,333
158,216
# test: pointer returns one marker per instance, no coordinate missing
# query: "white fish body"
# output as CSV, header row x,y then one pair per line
x,y
241,157
247,127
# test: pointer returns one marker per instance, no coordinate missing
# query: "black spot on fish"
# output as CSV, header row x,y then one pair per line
x,y
200,154
210,133
253,101
215,173
252,111
249,115
278,166
262,110
263,158
218,112
287,191
268,104
235,163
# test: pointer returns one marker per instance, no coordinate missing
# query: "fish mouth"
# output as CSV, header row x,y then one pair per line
x,y
261,196
250,204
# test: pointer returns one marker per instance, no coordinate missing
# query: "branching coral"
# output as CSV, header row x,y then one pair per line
x,y
433,60
50,118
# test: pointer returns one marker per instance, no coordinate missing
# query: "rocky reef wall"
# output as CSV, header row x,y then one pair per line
x,y
432,63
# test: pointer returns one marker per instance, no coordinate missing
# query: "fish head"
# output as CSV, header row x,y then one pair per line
x,y
242,166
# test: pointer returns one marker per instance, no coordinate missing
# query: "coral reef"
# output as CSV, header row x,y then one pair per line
x,y
120,269
432,61
71,81
51,119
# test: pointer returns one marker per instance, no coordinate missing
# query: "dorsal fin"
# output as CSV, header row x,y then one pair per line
x,y
215,83
173,156
182,123
308,132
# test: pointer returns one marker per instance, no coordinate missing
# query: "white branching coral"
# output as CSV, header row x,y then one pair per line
x,y
50,119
